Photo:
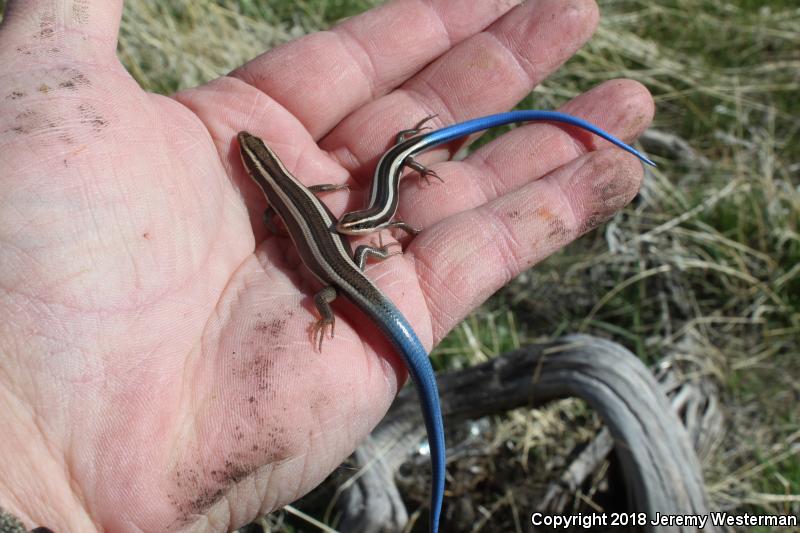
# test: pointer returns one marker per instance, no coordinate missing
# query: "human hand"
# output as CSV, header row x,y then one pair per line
x,y
157,369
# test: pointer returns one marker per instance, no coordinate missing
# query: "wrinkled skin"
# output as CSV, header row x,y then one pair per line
x,y
157,371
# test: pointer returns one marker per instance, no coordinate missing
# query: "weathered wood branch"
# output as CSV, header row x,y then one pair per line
x,y
659,466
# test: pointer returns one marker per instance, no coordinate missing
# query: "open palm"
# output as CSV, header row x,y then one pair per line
x,y
157,371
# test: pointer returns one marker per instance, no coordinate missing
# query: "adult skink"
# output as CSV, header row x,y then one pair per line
x,y
386,180
329,258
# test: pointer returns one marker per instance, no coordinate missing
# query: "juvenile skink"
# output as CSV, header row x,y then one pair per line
x,y
329,257
386,180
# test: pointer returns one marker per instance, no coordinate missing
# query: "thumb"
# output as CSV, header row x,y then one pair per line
x,y
42,30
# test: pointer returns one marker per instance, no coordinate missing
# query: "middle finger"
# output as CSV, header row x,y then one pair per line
x,y
488,72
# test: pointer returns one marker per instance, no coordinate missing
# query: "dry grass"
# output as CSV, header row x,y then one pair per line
x,y
704,263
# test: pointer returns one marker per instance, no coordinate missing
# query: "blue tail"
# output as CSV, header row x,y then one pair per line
x,y
424,378
450,133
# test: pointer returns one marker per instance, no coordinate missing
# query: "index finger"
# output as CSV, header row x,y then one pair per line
x,y
324,76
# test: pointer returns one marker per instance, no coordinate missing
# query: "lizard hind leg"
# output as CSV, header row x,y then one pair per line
x,y
322,301
418,128
423,171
